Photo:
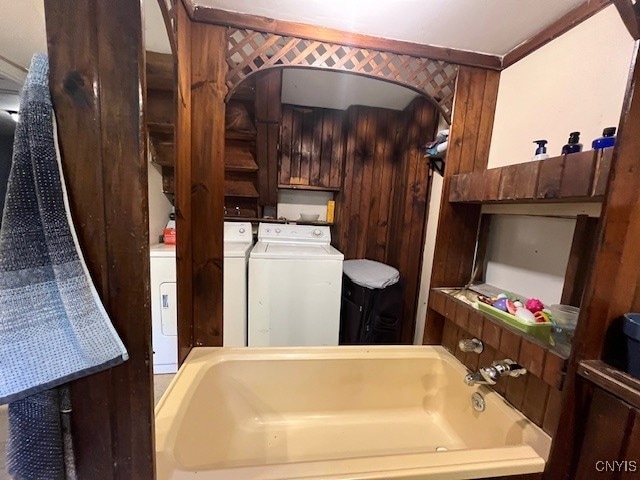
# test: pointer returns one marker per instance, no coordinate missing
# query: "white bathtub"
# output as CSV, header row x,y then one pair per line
x,y
337,413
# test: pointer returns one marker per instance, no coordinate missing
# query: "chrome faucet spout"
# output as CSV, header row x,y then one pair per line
x,y
491,374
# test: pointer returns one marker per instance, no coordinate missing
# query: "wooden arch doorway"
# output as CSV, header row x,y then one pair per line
x,y
212,61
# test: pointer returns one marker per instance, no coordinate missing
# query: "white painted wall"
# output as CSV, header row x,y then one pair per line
x,y
427,256
529,255
159,204
576,82
291,203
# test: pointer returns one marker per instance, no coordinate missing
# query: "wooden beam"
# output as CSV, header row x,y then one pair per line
x,y
562,25
630,14
216,16
612,287
104,158
208,90
474,108
184,254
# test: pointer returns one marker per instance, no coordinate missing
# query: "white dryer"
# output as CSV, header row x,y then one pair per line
x,y
238,240
295,282
164,325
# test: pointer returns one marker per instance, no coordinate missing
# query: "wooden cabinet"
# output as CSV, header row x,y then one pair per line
x,y
312,148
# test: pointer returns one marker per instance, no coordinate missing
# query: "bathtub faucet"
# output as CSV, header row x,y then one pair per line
x,y
491,374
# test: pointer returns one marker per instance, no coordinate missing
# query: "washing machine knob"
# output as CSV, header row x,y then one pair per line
x,y
278,230
317,232
242,230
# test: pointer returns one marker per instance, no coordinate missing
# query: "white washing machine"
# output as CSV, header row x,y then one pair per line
x,y
295,281
238,240
164,325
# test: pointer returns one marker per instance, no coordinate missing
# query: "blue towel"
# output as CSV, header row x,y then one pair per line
x,y
53,326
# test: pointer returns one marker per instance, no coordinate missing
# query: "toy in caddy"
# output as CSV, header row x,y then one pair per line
x,y
531,317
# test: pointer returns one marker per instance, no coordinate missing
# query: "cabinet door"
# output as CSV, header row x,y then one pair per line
x,y
610,446
168,310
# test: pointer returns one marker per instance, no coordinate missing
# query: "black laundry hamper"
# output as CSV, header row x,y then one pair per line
x,y
370,316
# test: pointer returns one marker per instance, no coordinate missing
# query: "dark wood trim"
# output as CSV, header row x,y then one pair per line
x,y
562,25
184,252
215,16
575,278
620,384
630,14
208,90
104,157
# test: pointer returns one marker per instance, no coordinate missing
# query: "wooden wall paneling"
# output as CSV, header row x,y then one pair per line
x,y
603,167
376,193
577,176
476,93
366,150
208,90
286,142
296,146
184,252
534,403
91,44
552,412
611,287
326,146
316,146
268,118
359,131
549,177
337,152
631,452
425,125
306,146
579,263
343,199
606,435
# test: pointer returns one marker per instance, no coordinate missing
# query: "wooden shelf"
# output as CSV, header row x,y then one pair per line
x,y
239,158
309,187
160,127
240,188
578,177
541,359
612,380
240,135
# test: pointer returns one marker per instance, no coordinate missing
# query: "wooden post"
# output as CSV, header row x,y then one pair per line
x,y
184,253
200,181
473,112
96,80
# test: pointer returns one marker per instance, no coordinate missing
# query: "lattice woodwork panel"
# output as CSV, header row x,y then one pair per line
x,y
250,51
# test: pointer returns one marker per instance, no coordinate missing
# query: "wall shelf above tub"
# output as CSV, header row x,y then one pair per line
x,y
577,177
540,358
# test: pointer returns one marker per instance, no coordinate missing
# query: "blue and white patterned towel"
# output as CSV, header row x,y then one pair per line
x,y
53,326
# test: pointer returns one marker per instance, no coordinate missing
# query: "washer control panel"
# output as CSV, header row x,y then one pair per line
x,y
238,232
274,232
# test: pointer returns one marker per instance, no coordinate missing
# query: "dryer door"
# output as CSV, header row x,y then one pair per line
x,y
168,309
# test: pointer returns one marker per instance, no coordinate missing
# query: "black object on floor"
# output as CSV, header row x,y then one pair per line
x,y
370,316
